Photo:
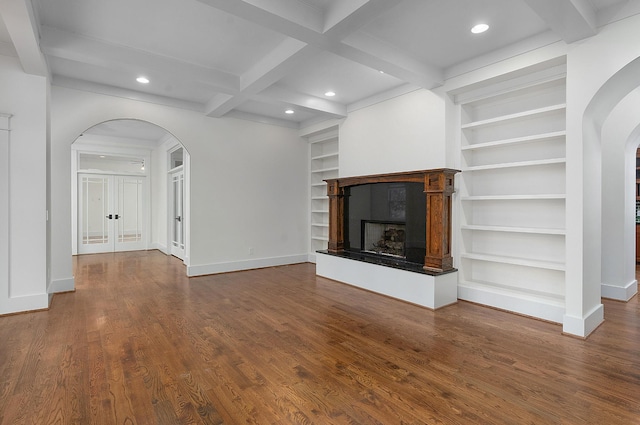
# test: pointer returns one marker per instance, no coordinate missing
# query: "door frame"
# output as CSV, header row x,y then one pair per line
x,y
186,206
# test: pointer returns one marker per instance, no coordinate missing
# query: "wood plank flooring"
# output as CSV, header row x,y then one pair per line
x,y
139,343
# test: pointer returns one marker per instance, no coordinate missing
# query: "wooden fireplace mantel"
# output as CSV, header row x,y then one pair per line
x,y
438,187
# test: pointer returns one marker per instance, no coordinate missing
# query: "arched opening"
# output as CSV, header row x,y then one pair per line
x,y
122,195
620,139
609,155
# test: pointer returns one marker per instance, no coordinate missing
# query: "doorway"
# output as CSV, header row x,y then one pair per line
x,y
112,213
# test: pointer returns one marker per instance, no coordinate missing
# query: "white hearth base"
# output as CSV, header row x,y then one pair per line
x,y
417,288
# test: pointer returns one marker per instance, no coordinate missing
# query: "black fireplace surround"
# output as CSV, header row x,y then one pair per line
x,y
398,210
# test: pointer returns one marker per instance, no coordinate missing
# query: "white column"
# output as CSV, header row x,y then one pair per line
x,y
4,210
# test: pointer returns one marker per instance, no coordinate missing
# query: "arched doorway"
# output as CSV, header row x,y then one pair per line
x,y
610,137
122,197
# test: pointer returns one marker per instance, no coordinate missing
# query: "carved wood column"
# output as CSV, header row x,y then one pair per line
x,y
438,189
336,216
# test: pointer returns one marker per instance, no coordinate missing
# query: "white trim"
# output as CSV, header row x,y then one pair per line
x,y
160,247
5,249
417,288
233,266
534,306
62,285
26,303
620,293
583,326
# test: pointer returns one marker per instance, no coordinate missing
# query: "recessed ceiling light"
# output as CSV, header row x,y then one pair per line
x,y
142,80
480,28
330,94
102,156
289,111
381,72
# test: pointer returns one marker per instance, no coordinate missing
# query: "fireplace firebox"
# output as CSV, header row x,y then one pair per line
x,y
384,238
402,216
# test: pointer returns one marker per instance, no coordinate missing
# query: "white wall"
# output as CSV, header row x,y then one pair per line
x,y
248,181
406,133
25,97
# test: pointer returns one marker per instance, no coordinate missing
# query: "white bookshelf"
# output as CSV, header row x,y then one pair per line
x,y
323,157
512,195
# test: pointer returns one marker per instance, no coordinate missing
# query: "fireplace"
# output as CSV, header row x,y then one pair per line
x,y
384,238
401,219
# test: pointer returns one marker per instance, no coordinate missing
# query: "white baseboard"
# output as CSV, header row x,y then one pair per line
x,y
23,304
417,288
62,285
233,266
583,326
160,247
619,293
311,257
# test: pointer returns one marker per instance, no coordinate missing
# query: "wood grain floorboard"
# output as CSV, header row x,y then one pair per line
x,y
140,343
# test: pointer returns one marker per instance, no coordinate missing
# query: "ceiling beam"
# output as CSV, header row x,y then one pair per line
x,y
572,20
423,75
18,17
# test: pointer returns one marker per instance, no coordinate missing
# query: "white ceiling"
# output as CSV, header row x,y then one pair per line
x,y
253,59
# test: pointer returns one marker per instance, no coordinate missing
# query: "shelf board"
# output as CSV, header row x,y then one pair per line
x,y
549,196
320,224
319,198
319,211
516,164
318,184
508,229
325,156
324,170
548,298
319,238
511,117
516,140
550,265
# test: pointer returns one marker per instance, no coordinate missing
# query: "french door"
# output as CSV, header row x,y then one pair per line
x,y
177,214
111,214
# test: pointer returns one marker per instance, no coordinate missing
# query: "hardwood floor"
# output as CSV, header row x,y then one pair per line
x,y
139,343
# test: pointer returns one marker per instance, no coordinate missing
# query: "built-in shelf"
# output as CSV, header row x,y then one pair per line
x,y
513,156
536,230
325,156
516,140
551,265
548,196
513,117
551,299
323,162
516,164
324,170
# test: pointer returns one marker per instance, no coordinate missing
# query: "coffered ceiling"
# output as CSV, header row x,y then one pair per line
x,y
254,59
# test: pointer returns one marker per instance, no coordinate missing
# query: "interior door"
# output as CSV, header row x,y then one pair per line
x,y
177,217
111,213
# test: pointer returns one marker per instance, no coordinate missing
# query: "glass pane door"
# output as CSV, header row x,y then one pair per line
x,y
96,230
177,221
111,213
129,213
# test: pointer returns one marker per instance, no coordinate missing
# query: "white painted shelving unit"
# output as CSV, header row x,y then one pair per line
x,y
324,151
512,195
